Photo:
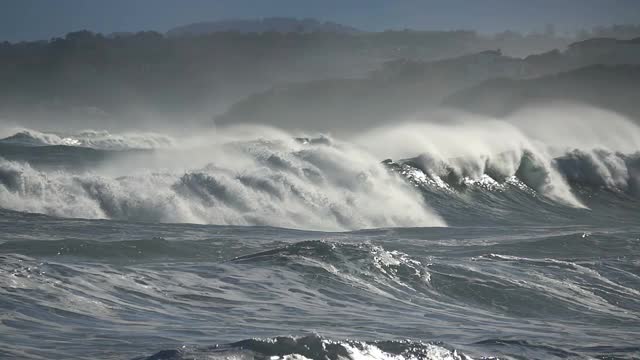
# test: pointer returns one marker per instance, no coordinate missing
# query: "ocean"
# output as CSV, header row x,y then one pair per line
x,y
268,245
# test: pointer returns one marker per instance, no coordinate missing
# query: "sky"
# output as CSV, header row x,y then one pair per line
x,y
43,19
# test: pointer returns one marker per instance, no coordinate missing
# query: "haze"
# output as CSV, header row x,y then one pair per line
x,y
43,19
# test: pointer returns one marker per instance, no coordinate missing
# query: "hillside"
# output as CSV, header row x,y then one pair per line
x,y
275,24
398,89
402,88
615,88
90,80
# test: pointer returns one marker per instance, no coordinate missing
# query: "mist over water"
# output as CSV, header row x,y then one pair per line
x,y
472,145
270,180
257,175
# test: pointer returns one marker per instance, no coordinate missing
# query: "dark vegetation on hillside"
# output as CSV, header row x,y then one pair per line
x,y
609,87
319,73
487,82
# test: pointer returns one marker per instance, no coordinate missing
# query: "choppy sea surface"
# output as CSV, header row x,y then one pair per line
x,y
307,249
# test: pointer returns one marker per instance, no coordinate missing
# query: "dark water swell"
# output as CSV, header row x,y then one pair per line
x,y
130,290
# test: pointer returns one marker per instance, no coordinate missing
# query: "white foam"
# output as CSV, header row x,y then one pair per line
x,y
92,139
274,182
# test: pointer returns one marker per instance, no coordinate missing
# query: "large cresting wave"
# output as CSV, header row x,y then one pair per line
x,y
283,182
262,176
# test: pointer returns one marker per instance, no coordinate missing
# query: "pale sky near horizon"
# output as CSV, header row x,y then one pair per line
x,y
44,19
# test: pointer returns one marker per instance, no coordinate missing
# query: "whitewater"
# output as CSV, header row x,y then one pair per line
x,y
442,236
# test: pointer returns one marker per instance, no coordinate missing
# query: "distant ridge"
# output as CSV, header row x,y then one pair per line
x,y
273,24
611,87
487,82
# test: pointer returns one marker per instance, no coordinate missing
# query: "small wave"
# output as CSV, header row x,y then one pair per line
x,y
157,249
366,266
314,347
566,265
102,140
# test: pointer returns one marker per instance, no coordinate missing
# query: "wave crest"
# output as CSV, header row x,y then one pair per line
x,y
315,347
102,140
596,169
267,183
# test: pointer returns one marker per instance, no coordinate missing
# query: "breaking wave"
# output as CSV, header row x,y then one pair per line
x,y
262,176
102,140
549,150
314,347
595,169
313,185
276,183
